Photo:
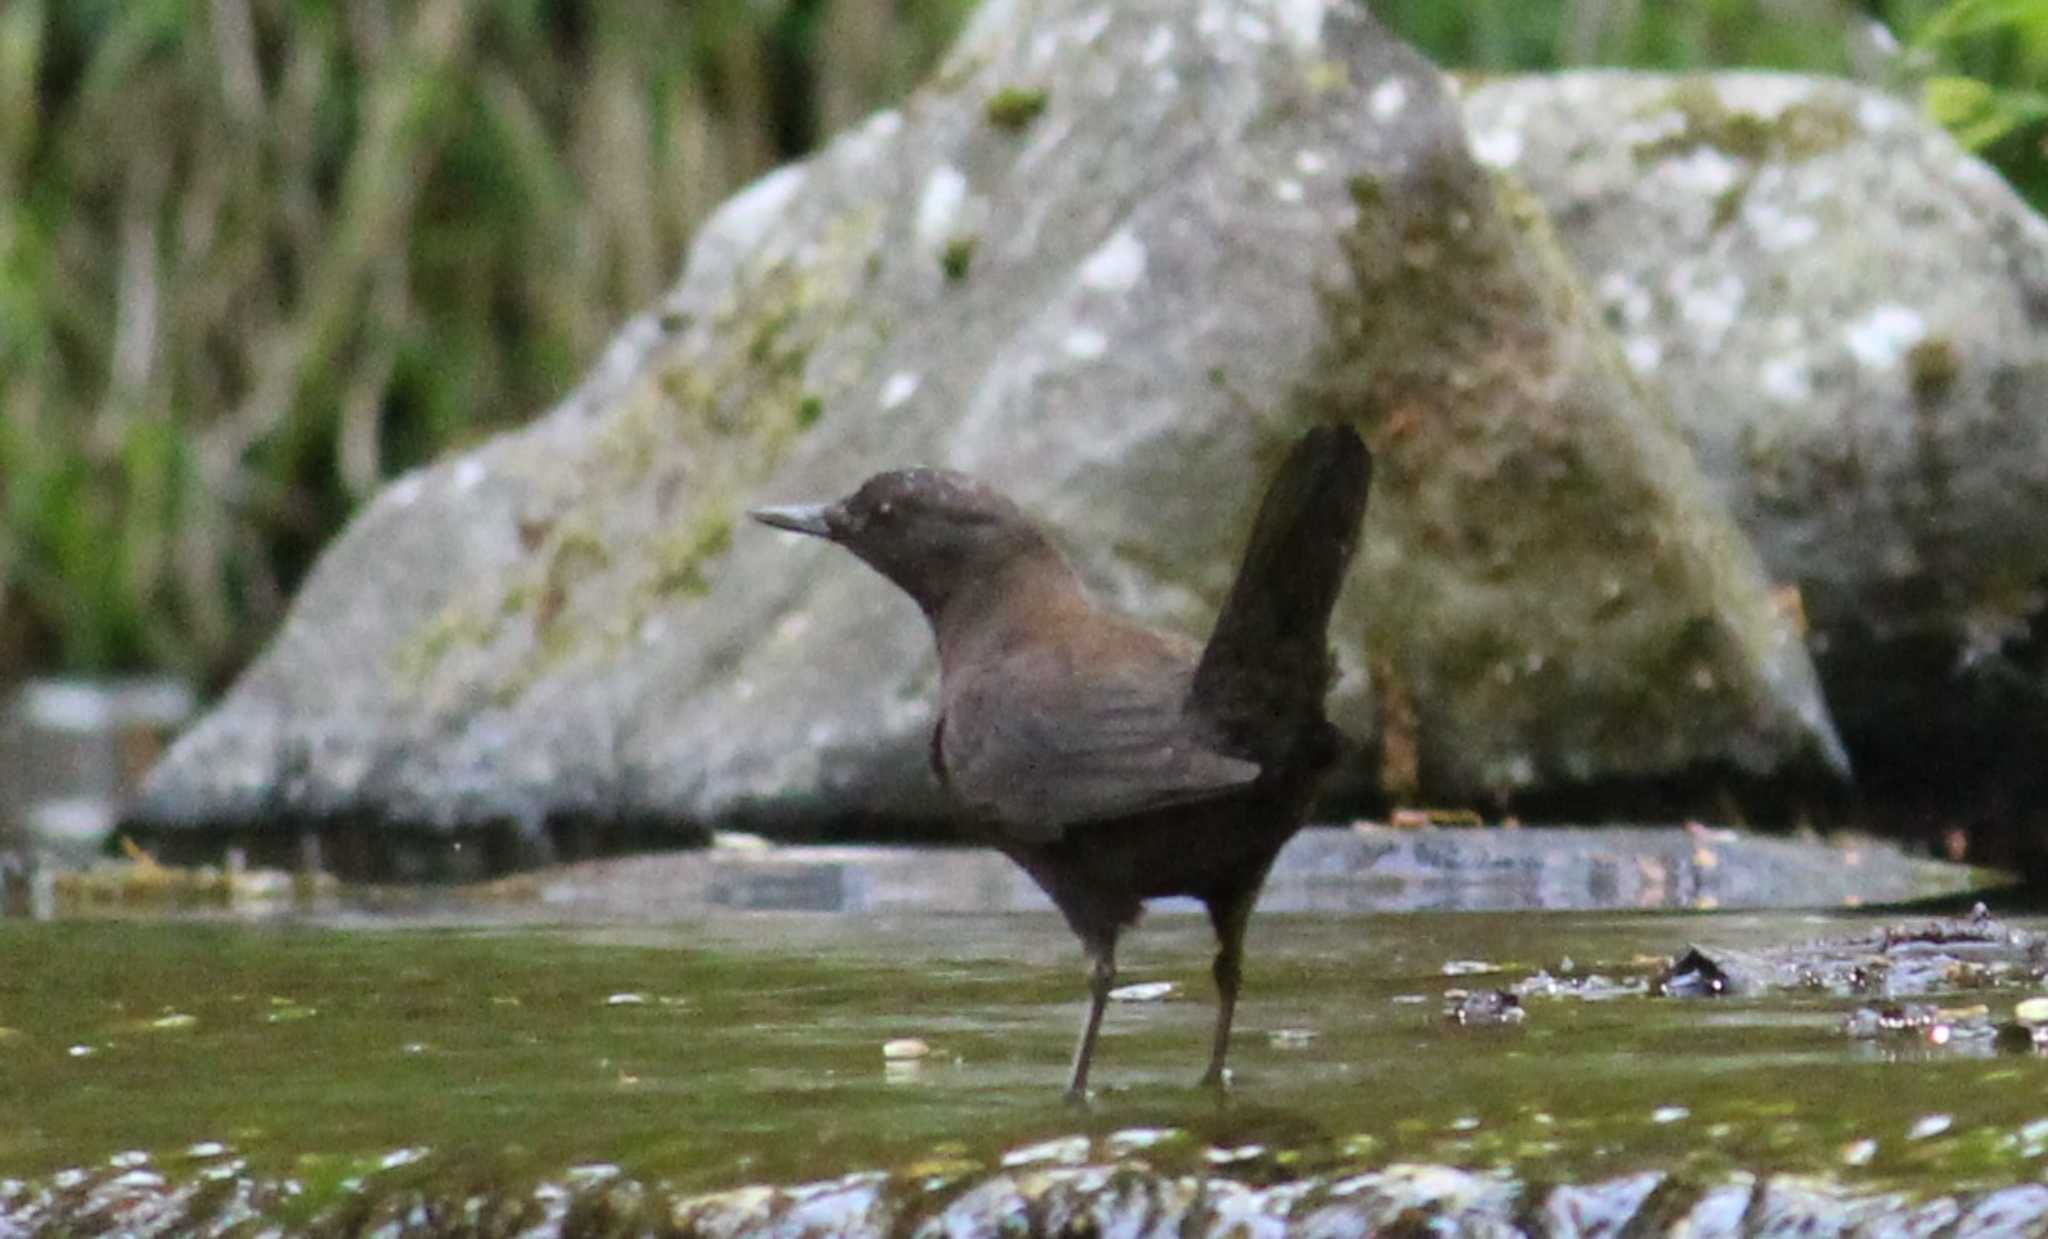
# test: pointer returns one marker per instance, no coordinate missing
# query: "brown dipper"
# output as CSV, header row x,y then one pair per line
x,y
1113,762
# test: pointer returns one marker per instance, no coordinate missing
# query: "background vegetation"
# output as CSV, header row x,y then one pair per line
x,y
257,256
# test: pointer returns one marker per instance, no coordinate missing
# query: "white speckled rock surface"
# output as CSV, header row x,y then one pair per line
x,y
1117,296
1849,315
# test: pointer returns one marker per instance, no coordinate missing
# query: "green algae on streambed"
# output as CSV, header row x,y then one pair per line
x,y
740,1049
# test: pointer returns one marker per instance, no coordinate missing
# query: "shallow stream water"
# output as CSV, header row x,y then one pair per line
x,y
724,1048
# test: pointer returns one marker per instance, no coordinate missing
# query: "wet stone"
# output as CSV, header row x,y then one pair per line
x,y
1898,961
1107,1199
1921,1022
2013,1211
1593,987
1601,1209
785,887
1720,1211
1487,1008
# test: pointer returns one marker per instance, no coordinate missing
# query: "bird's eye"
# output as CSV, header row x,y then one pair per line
x,y
885,509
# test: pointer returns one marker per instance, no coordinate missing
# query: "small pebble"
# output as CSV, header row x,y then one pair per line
x,y
1132,1139
905,1048
626,1000
1230,1157
176,1019
1929,1125
1491,1008
1859,1152
1071,1151
224,1170
1468,967
1669,1114
2032,1011
1144,991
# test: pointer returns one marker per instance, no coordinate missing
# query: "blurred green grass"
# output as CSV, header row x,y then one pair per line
x,y
258,256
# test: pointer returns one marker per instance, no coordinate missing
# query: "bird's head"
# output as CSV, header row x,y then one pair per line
x,y
931,531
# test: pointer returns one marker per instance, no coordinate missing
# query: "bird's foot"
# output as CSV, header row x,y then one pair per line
x,y
1078,1097
1216,1079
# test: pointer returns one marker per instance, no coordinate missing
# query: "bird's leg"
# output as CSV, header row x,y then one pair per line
x,y
1101,975
1229,915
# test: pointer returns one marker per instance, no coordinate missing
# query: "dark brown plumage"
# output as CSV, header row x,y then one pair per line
x,y
1113,762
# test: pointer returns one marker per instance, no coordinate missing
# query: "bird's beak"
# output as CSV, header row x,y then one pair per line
x,y
811,518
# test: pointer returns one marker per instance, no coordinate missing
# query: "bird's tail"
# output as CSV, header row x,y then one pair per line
x,y
1266,668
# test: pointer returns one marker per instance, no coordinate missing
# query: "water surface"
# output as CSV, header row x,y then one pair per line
x,y
740,1047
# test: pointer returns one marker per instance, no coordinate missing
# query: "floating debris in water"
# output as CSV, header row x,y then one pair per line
x,y
81,1051
1465,1122
1669,1114
903,1048
1468,967
1292,1038
1859,1152
1929,1125
174,1020
2031,1011
1144,991
626,1000
206,1148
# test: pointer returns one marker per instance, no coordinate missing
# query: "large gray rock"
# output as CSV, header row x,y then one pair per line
x,y
1850,315
1113,258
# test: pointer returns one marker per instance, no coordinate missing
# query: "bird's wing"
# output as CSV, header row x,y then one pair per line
x,y
1048,746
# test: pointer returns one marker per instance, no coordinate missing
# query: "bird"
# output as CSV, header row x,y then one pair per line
x,y
1115,762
